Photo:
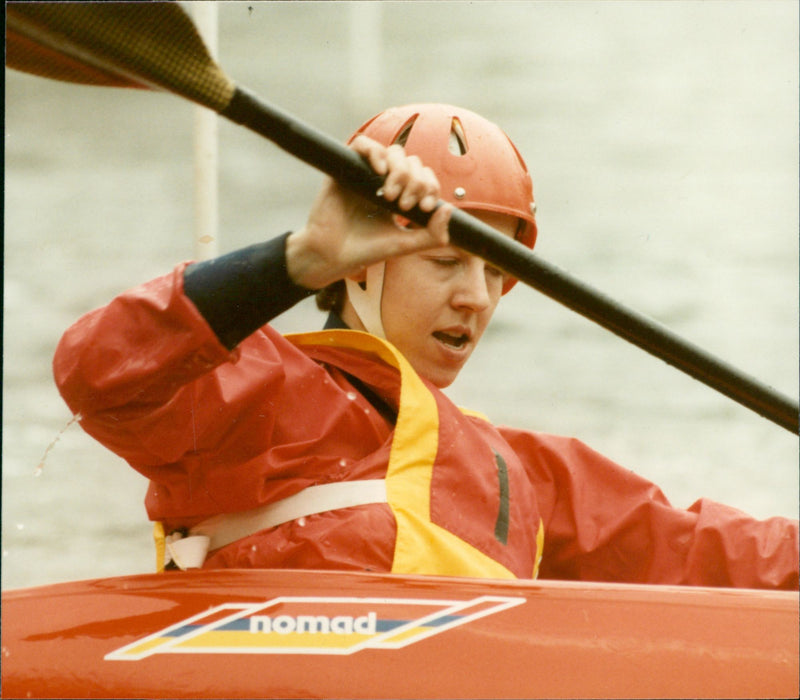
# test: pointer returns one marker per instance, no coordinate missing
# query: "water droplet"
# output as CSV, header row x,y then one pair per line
x,y
343,462
75,418
352,395
253,548
301,521
20,526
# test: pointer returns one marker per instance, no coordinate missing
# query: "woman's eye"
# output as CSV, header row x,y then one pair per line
x,y
445,262
494,271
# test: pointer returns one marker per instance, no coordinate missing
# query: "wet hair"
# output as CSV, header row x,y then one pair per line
x,y
331,298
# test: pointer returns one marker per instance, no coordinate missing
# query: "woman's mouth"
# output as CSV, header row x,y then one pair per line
x,y
453,340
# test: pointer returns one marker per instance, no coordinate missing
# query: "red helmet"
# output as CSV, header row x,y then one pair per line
x,y
478,166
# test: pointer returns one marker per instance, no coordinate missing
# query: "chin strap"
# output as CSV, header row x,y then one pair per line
x,y
366,300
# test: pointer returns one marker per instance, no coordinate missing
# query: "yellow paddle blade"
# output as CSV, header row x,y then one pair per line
x,y
123,44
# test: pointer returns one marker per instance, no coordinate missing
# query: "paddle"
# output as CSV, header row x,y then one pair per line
x,y
156,46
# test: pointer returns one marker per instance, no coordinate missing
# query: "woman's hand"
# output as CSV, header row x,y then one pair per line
x,y
345,233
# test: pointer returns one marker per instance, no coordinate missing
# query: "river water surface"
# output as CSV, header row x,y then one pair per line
x,y
662,138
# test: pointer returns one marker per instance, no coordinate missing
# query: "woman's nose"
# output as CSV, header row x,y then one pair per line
x,y
472,289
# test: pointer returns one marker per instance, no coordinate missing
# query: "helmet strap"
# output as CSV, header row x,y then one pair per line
x,y
366,300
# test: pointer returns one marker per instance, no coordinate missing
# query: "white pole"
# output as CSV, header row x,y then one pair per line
x,y
206,205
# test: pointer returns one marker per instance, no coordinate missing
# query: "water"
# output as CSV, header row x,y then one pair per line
x,y
663,142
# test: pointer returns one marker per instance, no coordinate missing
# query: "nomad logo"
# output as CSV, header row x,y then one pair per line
x,y
301,625
341,624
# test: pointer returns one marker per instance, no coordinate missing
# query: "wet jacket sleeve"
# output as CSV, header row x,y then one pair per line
x,y
605,523
137,370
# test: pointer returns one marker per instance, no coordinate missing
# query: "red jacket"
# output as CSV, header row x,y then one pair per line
x,y
219,432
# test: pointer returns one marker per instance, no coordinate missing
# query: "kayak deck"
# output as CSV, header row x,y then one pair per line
x,y
245,633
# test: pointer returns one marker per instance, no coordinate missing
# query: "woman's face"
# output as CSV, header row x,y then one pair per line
x,y
436,304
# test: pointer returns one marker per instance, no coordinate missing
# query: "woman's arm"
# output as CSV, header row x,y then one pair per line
x,y
606,523
242,291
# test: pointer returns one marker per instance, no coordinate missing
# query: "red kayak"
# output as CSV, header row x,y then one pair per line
x,y
236,633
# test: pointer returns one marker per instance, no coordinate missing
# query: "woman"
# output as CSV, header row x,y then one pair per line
x,y
338,449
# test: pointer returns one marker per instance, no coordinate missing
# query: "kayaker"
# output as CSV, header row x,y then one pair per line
x,y
338,449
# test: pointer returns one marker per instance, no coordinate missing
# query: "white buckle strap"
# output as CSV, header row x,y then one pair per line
x,y
229,527
186,552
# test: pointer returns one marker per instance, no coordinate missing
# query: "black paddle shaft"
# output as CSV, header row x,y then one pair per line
x,y
335,159
157,45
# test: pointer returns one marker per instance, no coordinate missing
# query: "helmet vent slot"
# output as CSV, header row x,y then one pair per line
x,y
457,145
405,132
